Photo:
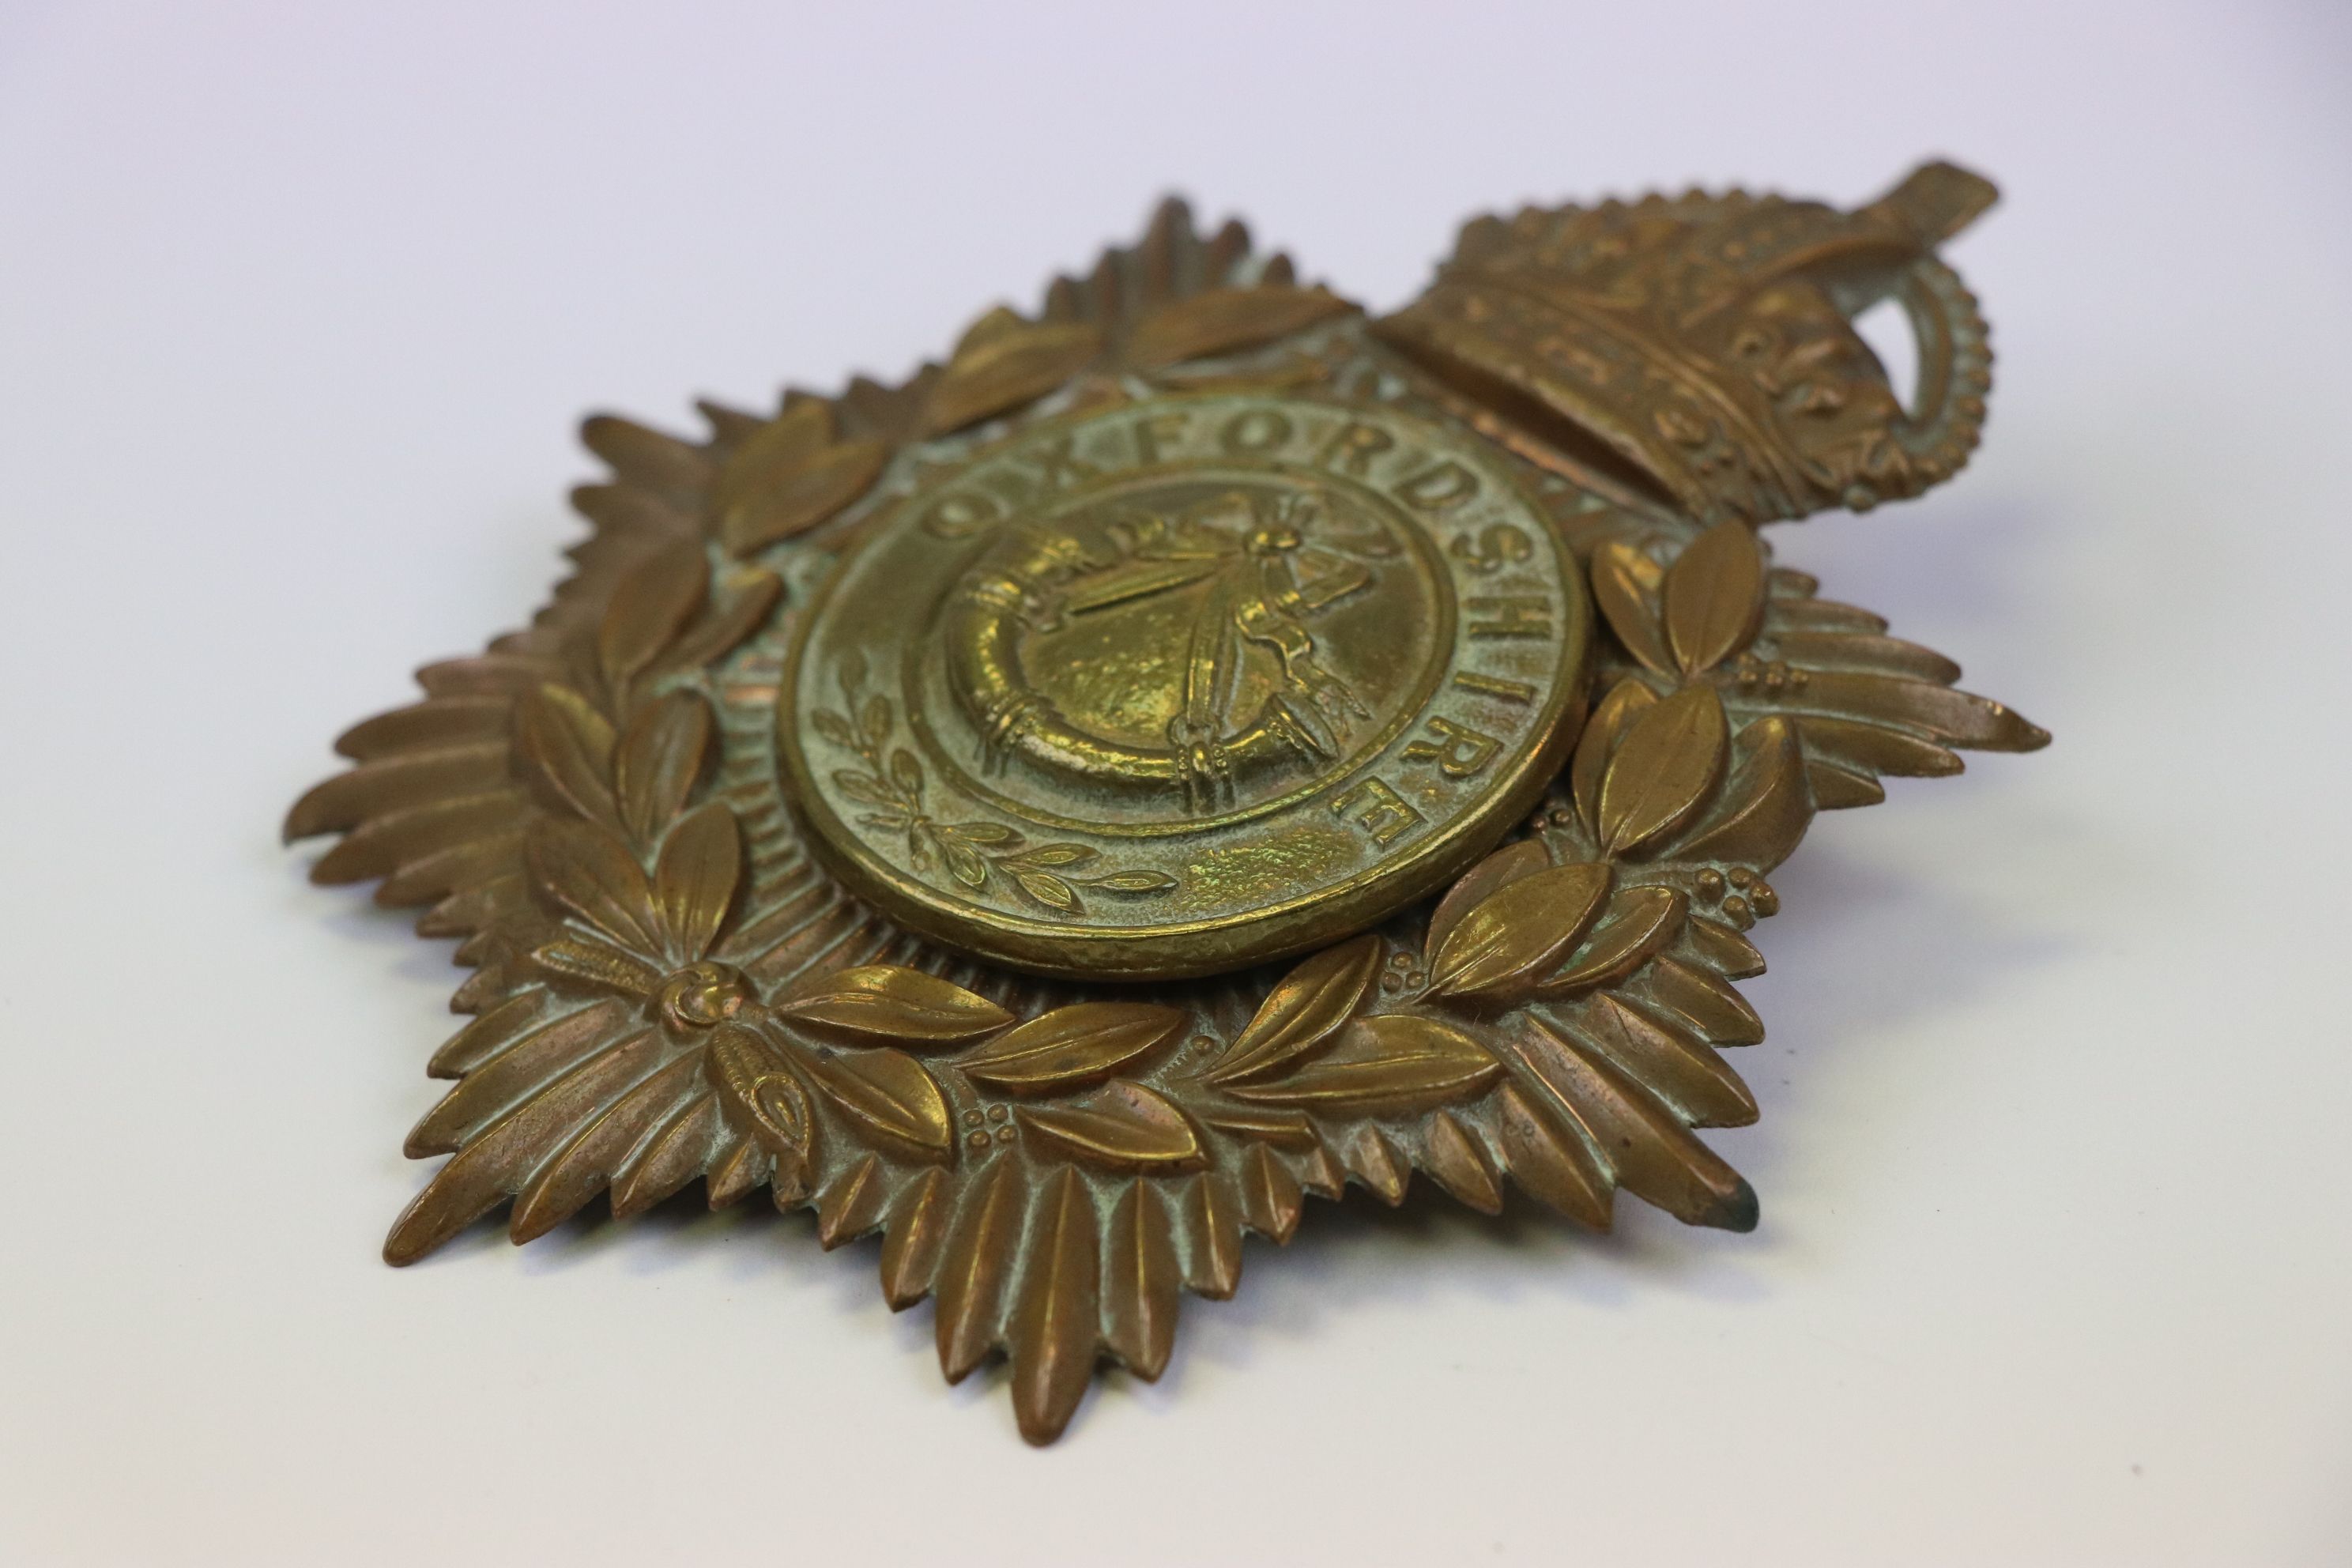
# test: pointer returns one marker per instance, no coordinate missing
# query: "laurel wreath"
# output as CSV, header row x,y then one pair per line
x,y
659,998
1044,875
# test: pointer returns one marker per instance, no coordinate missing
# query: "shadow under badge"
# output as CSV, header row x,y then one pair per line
x,y
1216,747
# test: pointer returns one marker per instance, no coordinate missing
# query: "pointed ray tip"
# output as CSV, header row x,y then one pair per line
x,y
1042,1429
401,1250
1736,1210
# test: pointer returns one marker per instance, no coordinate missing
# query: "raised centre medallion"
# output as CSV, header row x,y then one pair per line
x,y
1184,685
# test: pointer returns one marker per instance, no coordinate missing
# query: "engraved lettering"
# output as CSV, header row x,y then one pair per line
x,y
1255,430
1058,464
1496,546
1352,451
1385,815
1458,750
1154,432
1439,489
1511,615
1495,685
960,514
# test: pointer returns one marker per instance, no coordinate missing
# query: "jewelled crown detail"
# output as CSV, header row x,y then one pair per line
x,y
1705,343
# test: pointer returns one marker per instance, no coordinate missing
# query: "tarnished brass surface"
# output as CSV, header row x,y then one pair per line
x,y
1192,623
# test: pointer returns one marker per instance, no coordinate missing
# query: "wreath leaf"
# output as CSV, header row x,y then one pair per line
x,y
1304,1011
658,759
1122,1126
886,1002
1393,1062
586,872
964,863
1715,597
907,773
1134,882
1626,701
1641,922
1046,888
1666,766
792,490
864,788
1071,1047
1519,930
567,746
1474,887
1223,320
1054,854
649,608
1766,808
889,1095
987,833
1623,581
1004,361
716,633
695,879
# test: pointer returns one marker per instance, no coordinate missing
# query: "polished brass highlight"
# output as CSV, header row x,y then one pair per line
x,y
1195,749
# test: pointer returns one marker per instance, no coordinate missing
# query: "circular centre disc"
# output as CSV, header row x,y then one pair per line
x,y
1183,686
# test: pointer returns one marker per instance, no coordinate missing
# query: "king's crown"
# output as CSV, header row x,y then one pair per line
x,y
1702,347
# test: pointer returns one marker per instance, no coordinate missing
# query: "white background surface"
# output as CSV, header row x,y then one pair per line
x,y
297,307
